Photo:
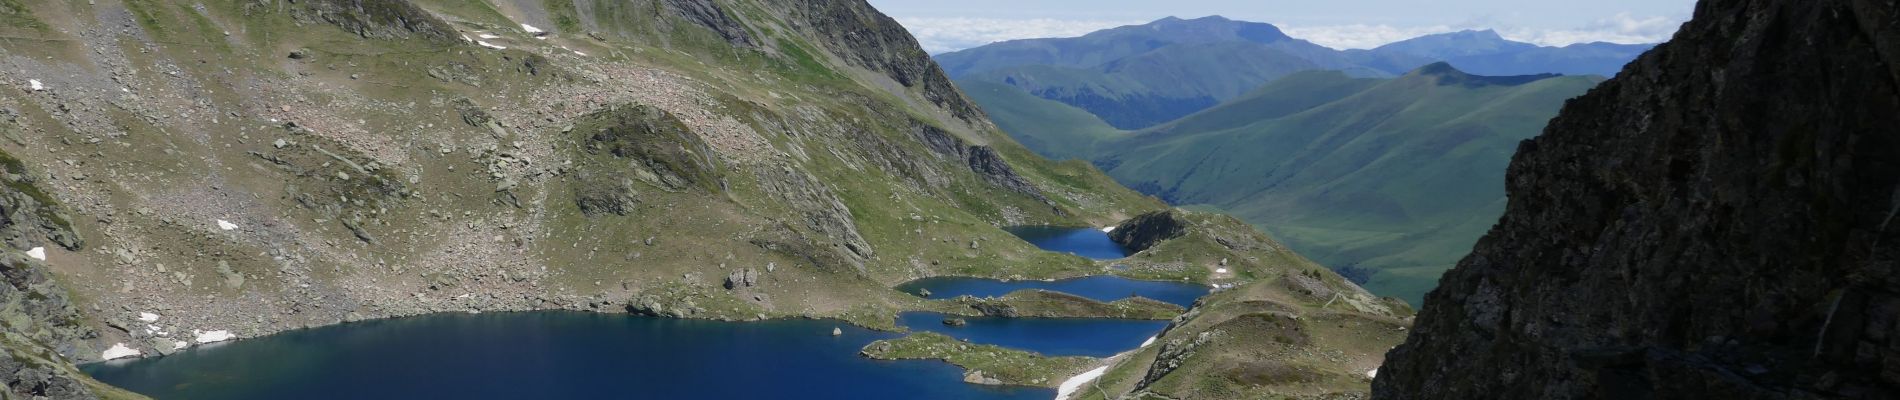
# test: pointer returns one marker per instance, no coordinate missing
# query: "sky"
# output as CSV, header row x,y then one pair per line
x,y
958,24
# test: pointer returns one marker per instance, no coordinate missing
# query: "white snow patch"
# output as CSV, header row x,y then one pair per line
x,y
1220,270
38,253
490,45
35,85
1069,387
226,225
533,30
1145,343
213,336
119,351
488,36
148,317
1107,229
579,53
1374,373
179,344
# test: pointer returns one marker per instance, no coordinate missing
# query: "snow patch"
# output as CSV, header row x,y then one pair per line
x,y
490,45
180,345
148,317
1374,373
35,85
1145,343
533,30
1107,229
1069,387
38,253
213,336
226,225
488,36
119,351
1220,270
579,53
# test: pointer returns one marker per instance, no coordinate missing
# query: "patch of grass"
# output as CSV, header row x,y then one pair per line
x,y
1010,366
17,15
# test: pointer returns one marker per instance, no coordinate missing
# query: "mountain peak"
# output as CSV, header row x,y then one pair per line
x,y
1485,34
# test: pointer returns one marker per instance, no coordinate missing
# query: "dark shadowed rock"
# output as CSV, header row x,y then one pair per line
x,y
1149,229
1713,223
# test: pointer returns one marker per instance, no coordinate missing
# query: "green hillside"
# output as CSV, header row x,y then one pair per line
x,y
1063,131
1387,180
1399,177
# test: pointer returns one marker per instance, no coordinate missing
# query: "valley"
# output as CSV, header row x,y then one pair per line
x,y
298,174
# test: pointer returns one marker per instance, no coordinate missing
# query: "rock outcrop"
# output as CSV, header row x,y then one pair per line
x,y
1147,230
866,38
43,330
1712,223
44,334
376,19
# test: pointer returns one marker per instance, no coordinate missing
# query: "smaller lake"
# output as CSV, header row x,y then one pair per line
x,y
1099,288
1093,337
1085,242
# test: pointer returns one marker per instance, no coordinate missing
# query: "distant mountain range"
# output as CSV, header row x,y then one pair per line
x,y
1385,164
1139,76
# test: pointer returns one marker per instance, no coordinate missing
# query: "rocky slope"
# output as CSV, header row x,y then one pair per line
x,y
1289,328
1713,223
246,167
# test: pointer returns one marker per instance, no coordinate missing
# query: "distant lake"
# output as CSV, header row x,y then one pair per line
x,y
550,354
1099,288
1091,337
1086,242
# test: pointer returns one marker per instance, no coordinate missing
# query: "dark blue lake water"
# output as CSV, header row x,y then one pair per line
x,y
550,355
1086,242
1100,288
1049,336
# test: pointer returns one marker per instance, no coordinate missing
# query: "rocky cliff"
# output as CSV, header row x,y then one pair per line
x,y
1715,222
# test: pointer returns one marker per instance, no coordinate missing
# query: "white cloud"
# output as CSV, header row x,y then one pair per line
x,y
1360,36
939,35
1622,28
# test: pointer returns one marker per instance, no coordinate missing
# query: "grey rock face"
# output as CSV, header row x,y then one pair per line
x,y
377,19
742,278
867,38
708,14
43,334
1713,223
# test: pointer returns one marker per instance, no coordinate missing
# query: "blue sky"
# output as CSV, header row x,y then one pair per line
x,y
957,24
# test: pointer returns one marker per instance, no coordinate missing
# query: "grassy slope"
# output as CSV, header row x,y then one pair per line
x,y
1401,176
1054,130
